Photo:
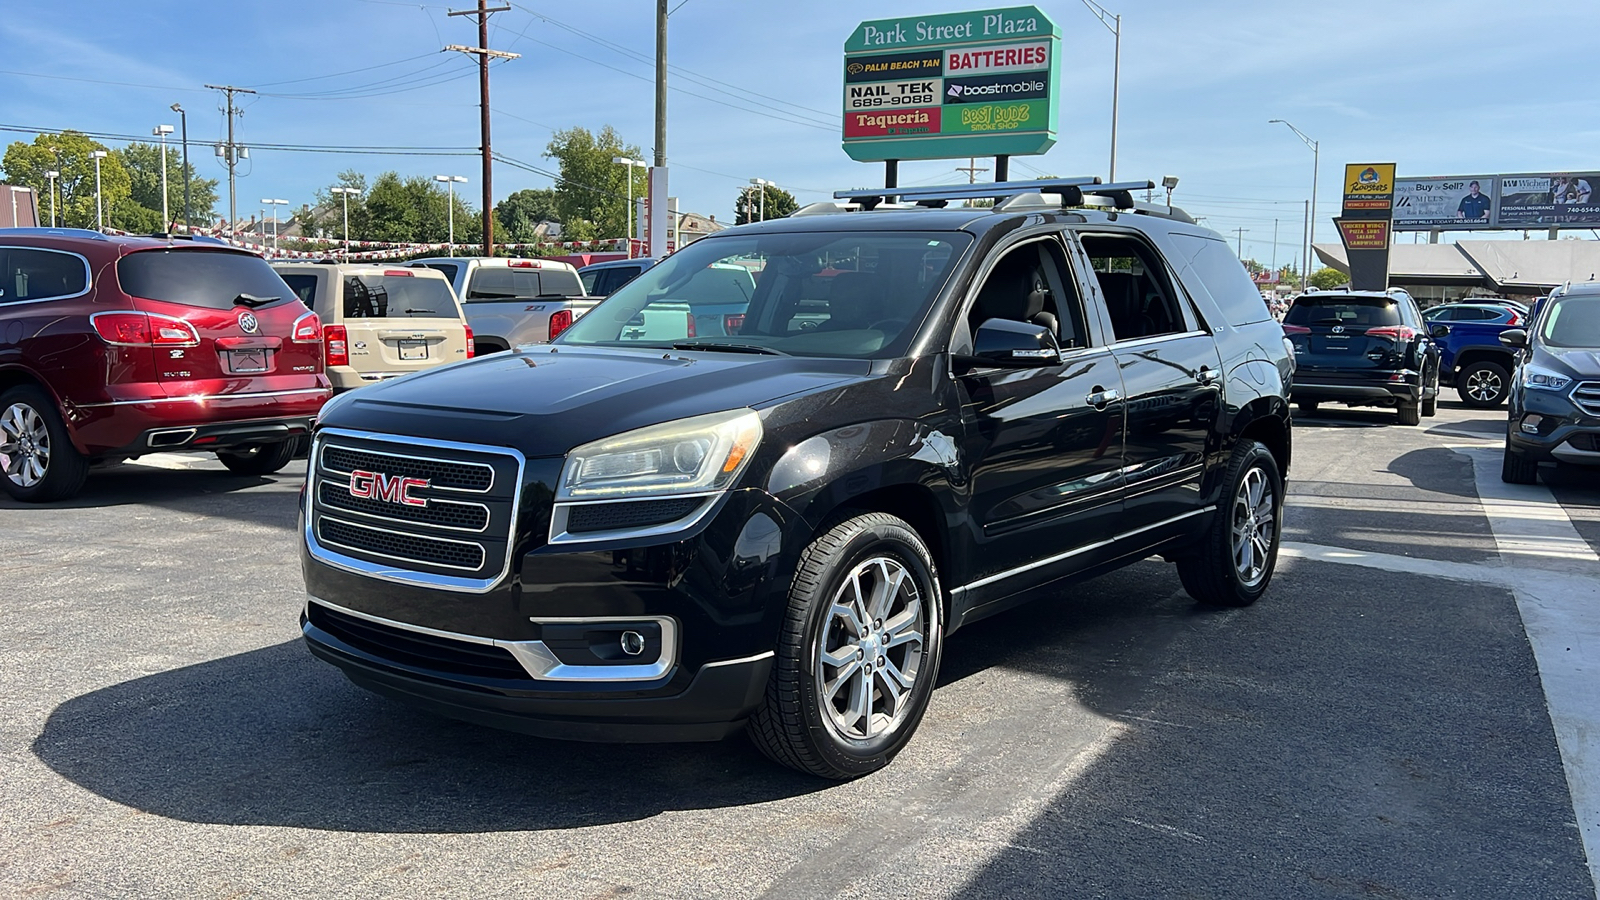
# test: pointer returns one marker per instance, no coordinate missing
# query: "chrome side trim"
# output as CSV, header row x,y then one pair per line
x,y
741,660
560,535
406,576
1156,339
201,398
536,658
1076,551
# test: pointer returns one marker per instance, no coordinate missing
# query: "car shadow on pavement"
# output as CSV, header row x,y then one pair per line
x,y
206,491
1345,417
274,737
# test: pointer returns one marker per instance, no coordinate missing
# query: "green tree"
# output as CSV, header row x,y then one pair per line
x,y
143,162
518,216
1326,279
592,195
748,207
68,153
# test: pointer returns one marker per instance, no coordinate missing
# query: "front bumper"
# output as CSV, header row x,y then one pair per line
x,y
1564,432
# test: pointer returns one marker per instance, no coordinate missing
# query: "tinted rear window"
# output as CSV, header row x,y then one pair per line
x,y
449,269
506,283
1351,312
198,277
1215,269
397,297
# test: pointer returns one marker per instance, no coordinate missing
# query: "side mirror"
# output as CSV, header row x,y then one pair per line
x,y
1439,331
1514,337
1008,344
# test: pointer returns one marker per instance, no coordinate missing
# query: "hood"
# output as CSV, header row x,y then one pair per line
x,y
1582,363
546,400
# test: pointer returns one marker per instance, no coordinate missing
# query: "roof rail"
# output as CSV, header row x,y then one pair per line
x,y
1071,191
88,233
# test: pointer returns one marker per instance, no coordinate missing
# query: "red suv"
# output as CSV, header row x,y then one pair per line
x,y
114,347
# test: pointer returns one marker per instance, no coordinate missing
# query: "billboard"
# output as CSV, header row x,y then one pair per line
x,y
982,83
1485,202
1368,186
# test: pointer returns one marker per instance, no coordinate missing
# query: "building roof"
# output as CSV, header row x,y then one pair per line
x,y
1501,265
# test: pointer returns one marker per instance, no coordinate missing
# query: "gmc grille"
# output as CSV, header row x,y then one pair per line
x,y
453,531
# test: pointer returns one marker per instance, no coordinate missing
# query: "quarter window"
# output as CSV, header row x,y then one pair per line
x,y
1141,302
34,274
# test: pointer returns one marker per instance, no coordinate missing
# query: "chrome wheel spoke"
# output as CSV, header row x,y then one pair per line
x,y
871,649
846,655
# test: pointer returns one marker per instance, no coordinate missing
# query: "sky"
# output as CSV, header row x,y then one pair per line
x,y
1441,87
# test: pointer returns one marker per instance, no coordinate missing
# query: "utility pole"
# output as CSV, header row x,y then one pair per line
x,y
231,150
483,53
661,84
972,169
1241,231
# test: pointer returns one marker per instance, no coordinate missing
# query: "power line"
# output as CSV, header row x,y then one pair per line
x,y
346,72
295,148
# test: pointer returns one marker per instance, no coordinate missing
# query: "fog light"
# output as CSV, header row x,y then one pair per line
x,y
1530,424
632,643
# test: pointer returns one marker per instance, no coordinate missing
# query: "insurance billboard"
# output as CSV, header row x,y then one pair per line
x,y
1488,202
1543,200
982,83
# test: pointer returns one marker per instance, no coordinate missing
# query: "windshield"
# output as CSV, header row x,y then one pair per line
x,y
1572,322
851,294
391,296
1350,312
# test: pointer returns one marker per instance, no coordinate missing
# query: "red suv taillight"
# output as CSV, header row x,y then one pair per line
x,y
337,343
1514,320
472,346
560,321
137,329
307,329
732,324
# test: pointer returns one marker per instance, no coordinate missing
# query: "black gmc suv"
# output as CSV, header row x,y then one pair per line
x,y
924,416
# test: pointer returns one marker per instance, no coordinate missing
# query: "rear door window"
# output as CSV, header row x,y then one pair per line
x,y
33,274
207,278
397,297
1349,312
1134,283
450,270
304,285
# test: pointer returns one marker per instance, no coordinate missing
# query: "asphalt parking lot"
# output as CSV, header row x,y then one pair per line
x,y
1403,716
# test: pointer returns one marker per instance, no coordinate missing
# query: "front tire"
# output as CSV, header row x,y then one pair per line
x,y
1518,469
259,459
858,653
1483,385
38,463
1236,558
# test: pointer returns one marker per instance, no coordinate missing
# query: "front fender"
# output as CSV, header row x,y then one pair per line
x,y
837,468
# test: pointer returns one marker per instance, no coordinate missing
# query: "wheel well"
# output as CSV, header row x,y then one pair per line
x,y
490,345
10,378
1272,432
1468,357
913,504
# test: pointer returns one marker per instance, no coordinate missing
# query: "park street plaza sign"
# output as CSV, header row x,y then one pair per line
x,y
963,84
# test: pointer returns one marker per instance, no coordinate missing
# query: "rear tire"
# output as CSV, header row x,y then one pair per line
x,y
1409,414
1483,385
1518,469
853,677
38,463
1218,572
260,459
1308,407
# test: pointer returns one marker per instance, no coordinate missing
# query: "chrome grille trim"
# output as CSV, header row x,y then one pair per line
x,y
400,572
1587,396
345,511
490,487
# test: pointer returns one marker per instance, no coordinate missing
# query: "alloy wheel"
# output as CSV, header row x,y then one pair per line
x,y
24,445
1254,526
871,649
1484,386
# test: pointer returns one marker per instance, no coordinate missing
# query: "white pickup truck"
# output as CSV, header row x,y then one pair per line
x,y
510,302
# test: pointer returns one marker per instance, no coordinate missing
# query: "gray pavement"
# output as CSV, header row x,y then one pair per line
x,y
1376,727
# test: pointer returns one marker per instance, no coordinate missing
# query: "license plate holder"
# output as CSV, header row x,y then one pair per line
x,y
246,362
412,350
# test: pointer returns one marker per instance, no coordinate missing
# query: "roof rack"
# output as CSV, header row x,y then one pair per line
x,y
1008,196
89,233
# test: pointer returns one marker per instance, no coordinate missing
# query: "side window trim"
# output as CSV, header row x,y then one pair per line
x,y
88,276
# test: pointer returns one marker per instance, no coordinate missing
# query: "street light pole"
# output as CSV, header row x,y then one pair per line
x,y
274,204
450,182
50,178
184,117
1311,211
1114,25
99,208
345,192
761,185
161,131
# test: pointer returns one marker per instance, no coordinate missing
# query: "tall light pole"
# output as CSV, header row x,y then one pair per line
x,y
345,192
1311,211
274,204
1114,25
161,131
178,108
761,185
631,164
450,182
99,208
50,178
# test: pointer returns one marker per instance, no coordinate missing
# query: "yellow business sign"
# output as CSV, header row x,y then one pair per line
x,y
1368,186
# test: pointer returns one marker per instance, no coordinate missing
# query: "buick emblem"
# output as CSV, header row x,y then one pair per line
x,y
248,323
387,488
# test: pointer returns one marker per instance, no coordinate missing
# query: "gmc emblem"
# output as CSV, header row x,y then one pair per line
x,y
388,488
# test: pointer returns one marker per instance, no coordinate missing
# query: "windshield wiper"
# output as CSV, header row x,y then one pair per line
x,y
729,348
252,301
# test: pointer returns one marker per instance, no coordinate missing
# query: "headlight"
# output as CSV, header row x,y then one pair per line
x,y
690,456
1544,379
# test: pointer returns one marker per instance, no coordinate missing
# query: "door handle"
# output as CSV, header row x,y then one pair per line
x,y
1101,397
1206,375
